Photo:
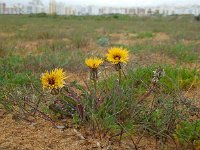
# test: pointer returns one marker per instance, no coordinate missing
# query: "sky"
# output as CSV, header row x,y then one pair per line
x,y
117,3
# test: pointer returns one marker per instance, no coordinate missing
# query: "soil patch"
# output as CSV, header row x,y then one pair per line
x,y
40,134
6,35
131,38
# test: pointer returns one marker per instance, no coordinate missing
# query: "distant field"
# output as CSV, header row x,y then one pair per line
x,y
30,45
34,44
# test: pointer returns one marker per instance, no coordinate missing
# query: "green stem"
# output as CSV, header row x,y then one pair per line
x,y
95,86
120,76
95,94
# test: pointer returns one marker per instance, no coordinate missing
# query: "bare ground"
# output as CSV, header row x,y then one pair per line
x,y
41,134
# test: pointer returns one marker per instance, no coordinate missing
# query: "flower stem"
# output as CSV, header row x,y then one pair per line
x,y
95,94
118,68
93,78
120,76
95,86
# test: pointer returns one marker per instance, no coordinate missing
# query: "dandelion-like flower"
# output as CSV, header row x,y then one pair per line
x,y
54,79
93,63
117,55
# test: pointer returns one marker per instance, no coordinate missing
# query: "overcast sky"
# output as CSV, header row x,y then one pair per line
x,y
118,3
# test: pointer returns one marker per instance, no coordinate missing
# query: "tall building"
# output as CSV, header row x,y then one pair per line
x,y
52,7
2,8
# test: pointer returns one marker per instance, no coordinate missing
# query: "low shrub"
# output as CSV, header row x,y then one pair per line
x,y
188,134
103,41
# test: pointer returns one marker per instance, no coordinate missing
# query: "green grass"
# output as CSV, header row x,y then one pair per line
x,y
188,134
176,79
177,51
142,35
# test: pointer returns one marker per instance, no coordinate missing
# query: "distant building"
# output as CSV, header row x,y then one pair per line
x,y
34,7
194,10
104,10
140,12
60,8
79,10
52,7
15,9
132,11
92,10
69,11
2,8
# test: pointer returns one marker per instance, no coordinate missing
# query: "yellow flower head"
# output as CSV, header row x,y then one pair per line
x,y
54,79
93,63
117,55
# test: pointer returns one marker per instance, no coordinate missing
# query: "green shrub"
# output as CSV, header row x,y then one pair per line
x,y
197,18
38,15
103,41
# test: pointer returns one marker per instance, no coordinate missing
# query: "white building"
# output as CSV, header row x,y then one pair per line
x,y
52,7
194,10
69,11
34,7
93,10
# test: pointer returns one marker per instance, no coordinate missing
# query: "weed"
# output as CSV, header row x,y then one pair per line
x,y
183,52
145,35
188,134
103,41
44,35
197,18
79,40
38,15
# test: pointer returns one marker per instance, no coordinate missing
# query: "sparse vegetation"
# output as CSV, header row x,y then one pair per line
x,y
188,134
145,35
150,95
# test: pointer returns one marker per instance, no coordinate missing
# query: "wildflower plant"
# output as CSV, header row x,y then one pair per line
x,y
93,64
65,100
116,106
157,75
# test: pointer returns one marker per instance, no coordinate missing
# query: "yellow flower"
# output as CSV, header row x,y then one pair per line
x,y
93,63
54,79
117,55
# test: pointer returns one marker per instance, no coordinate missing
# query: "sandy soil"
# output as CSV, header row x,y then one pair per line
x,y
131,38
20,135
16,134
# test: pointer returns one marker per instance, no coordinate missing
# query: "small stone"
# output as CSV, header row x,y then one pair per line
x,y
61,127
